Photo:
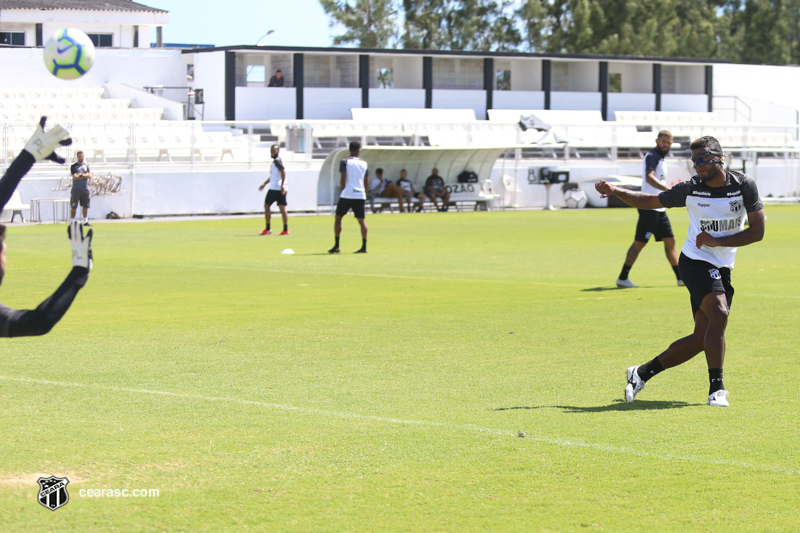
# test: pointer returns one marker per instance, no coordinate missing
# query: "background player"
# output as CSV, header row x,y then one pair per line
x,y
276,192
79,194
355,179
653,222
716,201
21,323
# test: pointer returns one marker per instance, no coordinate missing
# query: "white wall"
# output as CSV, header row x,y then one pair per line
x,y
209,75
575,100
397,98
771,84
141,98
407,72
266,103
461,99
691,79
158,192
328,103
135,67
518,99
584,76
526,75
630,102
200,192
684,102
119,24
636,77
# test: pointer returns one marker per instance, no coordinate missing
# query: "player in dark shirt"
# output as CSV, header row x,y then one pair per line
x,y
81,173
20,323
436,189
719,202
652,222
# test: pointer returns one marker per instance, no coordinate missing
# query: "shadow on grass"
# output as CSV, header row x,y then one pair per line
x,y
618,405
603,289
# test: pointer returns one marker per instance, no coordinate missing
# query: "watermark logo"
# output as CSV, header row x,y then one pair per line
x,y
53,492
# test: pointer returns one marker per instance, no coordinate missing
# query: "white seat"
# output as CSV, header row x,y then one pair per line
x,y
16,206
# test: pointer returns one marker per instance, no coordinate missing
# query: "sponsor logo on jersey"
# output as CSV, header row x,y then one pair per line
x,y
703,205
735,193
714,273
720,224
736,205
701,193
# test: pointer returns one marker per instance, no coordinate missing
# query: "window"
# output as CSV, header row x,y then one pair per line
x,y
331,71
256,75
503,80
381,72
559,76
457,73
101,40
615,82
385,78
16,38
669,77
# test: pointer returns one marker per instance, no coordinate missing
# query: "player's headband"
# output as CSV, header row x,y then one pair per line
x,y
696,158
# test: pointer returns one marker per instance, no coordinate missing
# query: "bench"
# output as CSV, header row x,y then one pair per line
x,y
60,209
16,206
478,195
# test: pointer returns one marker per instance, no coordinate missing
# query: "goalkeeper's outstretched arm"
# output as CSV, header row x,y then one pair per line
x,y
30,323
33,322
40,146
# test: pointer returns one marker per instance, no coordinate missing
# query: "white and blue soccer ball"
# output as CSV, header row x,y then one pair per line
x,y
575,199
69,54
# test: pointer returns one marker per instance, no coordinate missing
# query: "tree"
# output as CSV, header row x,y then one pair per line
x,y
422,26
367,23
537,23
765,33
663,28
485,25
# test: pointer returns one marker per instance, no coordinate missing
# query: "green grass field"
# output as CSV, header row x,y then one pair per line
x,y
388,392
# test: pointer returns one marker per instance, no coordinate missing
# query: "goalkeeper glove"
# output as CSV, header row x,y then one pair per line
x,y
43,143
81,245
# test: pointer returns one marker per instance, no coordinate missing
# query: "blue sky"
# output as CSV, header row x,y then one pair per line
x,y
296,22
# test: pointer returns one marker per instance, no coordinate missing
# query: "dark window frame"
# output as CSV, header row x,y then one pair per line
x,y
102,40
9,37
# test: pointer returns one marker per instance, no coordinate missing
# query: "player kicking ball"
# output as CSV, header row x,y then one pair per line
x,y
719,202
25,323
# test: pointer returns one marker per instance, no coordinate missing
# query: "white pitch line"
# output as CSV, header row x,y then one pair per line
x,y
444,425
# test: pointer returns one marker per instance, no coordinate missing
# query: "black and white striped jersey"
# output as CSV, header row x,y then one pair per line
x,y
718,211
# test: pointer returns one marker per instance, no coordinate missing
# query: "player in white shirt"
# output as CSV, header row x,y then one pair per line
x,y
653,222
276,192
719,202
354,182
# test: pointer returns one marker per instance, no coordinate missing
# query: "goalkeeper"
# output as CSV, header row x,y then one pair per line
x,y
22,323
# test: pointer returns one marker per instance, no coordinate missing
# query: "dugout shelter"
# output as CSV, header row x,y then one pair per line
x,y
418,162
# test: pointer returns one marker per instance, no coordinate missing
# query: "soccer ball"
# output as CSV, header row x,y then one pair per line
x,y
575,199
69,54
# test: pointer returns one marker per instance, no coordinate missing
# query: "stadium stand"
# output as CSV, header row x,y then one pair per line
x,y
693,125
110,130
